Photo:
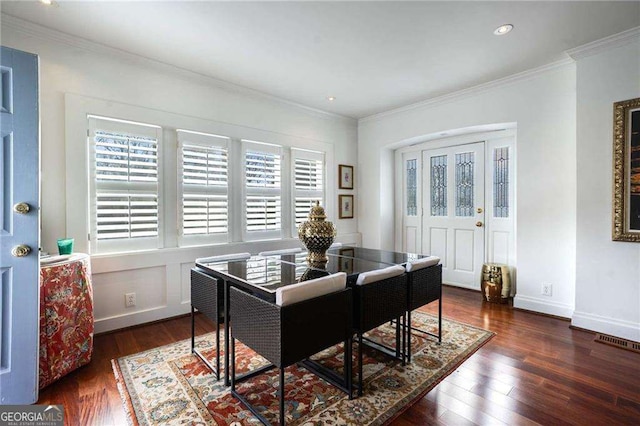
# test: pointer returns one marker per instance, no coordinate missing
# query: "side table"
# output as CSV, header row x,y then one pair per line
x,y
66,316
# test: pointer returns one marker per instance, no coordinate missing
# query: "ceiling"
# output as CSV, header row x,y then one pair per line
x,y
372,56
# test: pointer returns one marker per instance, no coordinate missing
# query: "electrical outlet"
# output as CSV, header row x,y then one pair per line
x,y
129,300
547,289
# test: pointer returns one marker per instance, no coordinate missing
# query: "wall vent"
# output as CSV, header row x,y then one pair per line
x,y
618,342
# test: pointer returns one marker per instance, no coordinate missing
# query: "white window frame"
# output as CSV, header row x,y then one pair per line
x,y
304,154
204,140
77,214
122,244
248,145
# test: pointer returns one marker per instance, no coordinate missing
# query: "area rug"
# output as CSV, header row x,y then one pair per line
x,y
169,385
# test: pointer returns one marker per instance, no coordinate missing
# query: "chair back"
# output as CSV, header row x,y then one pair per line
x,y
224,258
425,262
294,293
277,252
379,296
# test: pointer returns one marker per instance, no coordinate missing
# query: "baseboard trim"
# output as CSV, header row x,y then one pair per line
x,y
614,327
541,306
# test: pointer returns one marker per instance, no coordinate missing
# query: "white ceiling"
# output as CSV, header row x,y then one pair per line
x,y
372,56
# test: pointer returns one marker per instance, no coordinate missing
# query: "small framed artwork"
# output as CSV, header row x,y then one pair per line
x,y
345,203
345,176
626,170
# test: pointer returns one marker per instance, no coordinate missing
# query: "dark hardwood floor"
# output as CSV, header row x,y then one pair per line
x,y
536,370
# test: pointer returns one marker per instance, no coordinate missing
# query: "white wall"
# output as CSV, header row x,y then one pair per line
x,y
607,272
68,65
542,105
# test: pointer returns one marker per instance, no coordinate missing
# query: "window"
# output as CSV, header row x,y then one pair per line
x,y
263,190
124,178
308,182
204,180
160,184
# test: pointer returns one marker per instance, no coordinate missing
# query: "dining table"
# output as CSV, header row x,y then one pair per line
x,y
263,275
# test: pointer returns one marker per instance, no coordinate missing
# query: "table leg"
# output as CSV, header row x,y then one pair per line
x,y
226,333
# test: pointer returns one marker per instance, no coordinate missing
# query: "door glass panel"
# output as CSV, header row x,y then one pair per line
x,y
464,184
501,182
439,185
412,204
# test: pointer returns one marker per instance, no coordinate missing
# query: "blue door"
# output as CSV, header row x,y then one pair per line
x,y
19,227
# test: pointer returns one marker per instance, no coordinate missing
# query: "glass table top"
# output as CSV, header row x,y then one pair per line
x,y
375,255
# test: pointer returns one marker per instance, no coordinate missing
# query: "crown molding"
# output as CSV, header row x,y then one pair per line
x,y
606,43
472,91
28,28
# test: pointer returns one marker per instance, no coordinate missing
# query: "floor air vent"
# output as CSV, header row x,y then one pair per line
x,y
618,342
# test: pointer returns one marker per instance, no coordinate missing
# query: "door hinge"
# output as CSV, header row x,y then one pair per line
x,y
88,133
88,237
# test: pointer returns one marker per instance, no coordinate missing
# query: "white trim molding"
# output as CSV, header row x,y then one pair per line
x,y
542,306
472,91
607,325
606,43
37,31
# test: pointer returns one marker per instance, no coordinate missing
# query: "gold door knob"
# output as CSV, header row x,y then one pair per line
x,y
20,251
479,224
479,210
22,208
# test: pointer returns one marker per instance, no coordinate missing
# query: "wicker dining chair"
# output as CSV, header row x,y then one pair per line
x,y
207,296
305,319
379,297
425,286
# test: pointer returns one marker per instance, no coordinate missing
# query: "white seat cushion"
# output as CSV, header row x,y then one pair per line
x,y
425,262
335,245
283,251
309,289
224,257
379,274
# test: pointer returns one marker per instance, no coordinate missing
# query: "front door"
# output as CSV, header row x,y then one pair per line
x,y
453,218
19,227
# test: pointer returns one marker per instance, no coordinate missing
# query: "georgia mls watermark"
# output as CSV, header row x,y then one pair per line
x,y
31,415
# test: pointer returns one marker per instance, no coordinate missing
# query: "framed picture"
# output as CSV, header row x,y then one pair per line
x,y
345,204
345,176
626,170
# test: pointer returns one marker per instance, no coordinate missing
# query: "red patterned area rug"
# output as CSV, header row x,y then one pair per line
x,y
169,385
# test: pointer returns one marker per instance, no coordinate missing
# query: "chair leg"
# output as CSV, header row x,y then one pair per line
x,y
360,360
233,364
193,329
226,333
348,363
409,336
281,396
440,317
397,337
217,351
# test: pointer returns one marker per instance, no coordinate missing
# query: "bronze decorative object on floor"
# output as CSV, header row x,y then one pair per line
x,y
496,286
317,234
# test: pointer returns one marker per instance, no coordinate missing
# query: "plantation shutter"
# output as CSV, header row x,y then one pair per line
x,y
263,190
124,177
204,181
308,182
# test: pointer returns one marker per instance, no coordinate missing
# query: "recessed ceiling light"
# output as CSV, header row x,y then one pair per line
x,y
47,2
331,98
503,29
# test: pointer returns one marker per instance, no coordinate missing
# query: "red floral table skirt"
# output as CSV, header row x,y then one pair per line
x,y
66,317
